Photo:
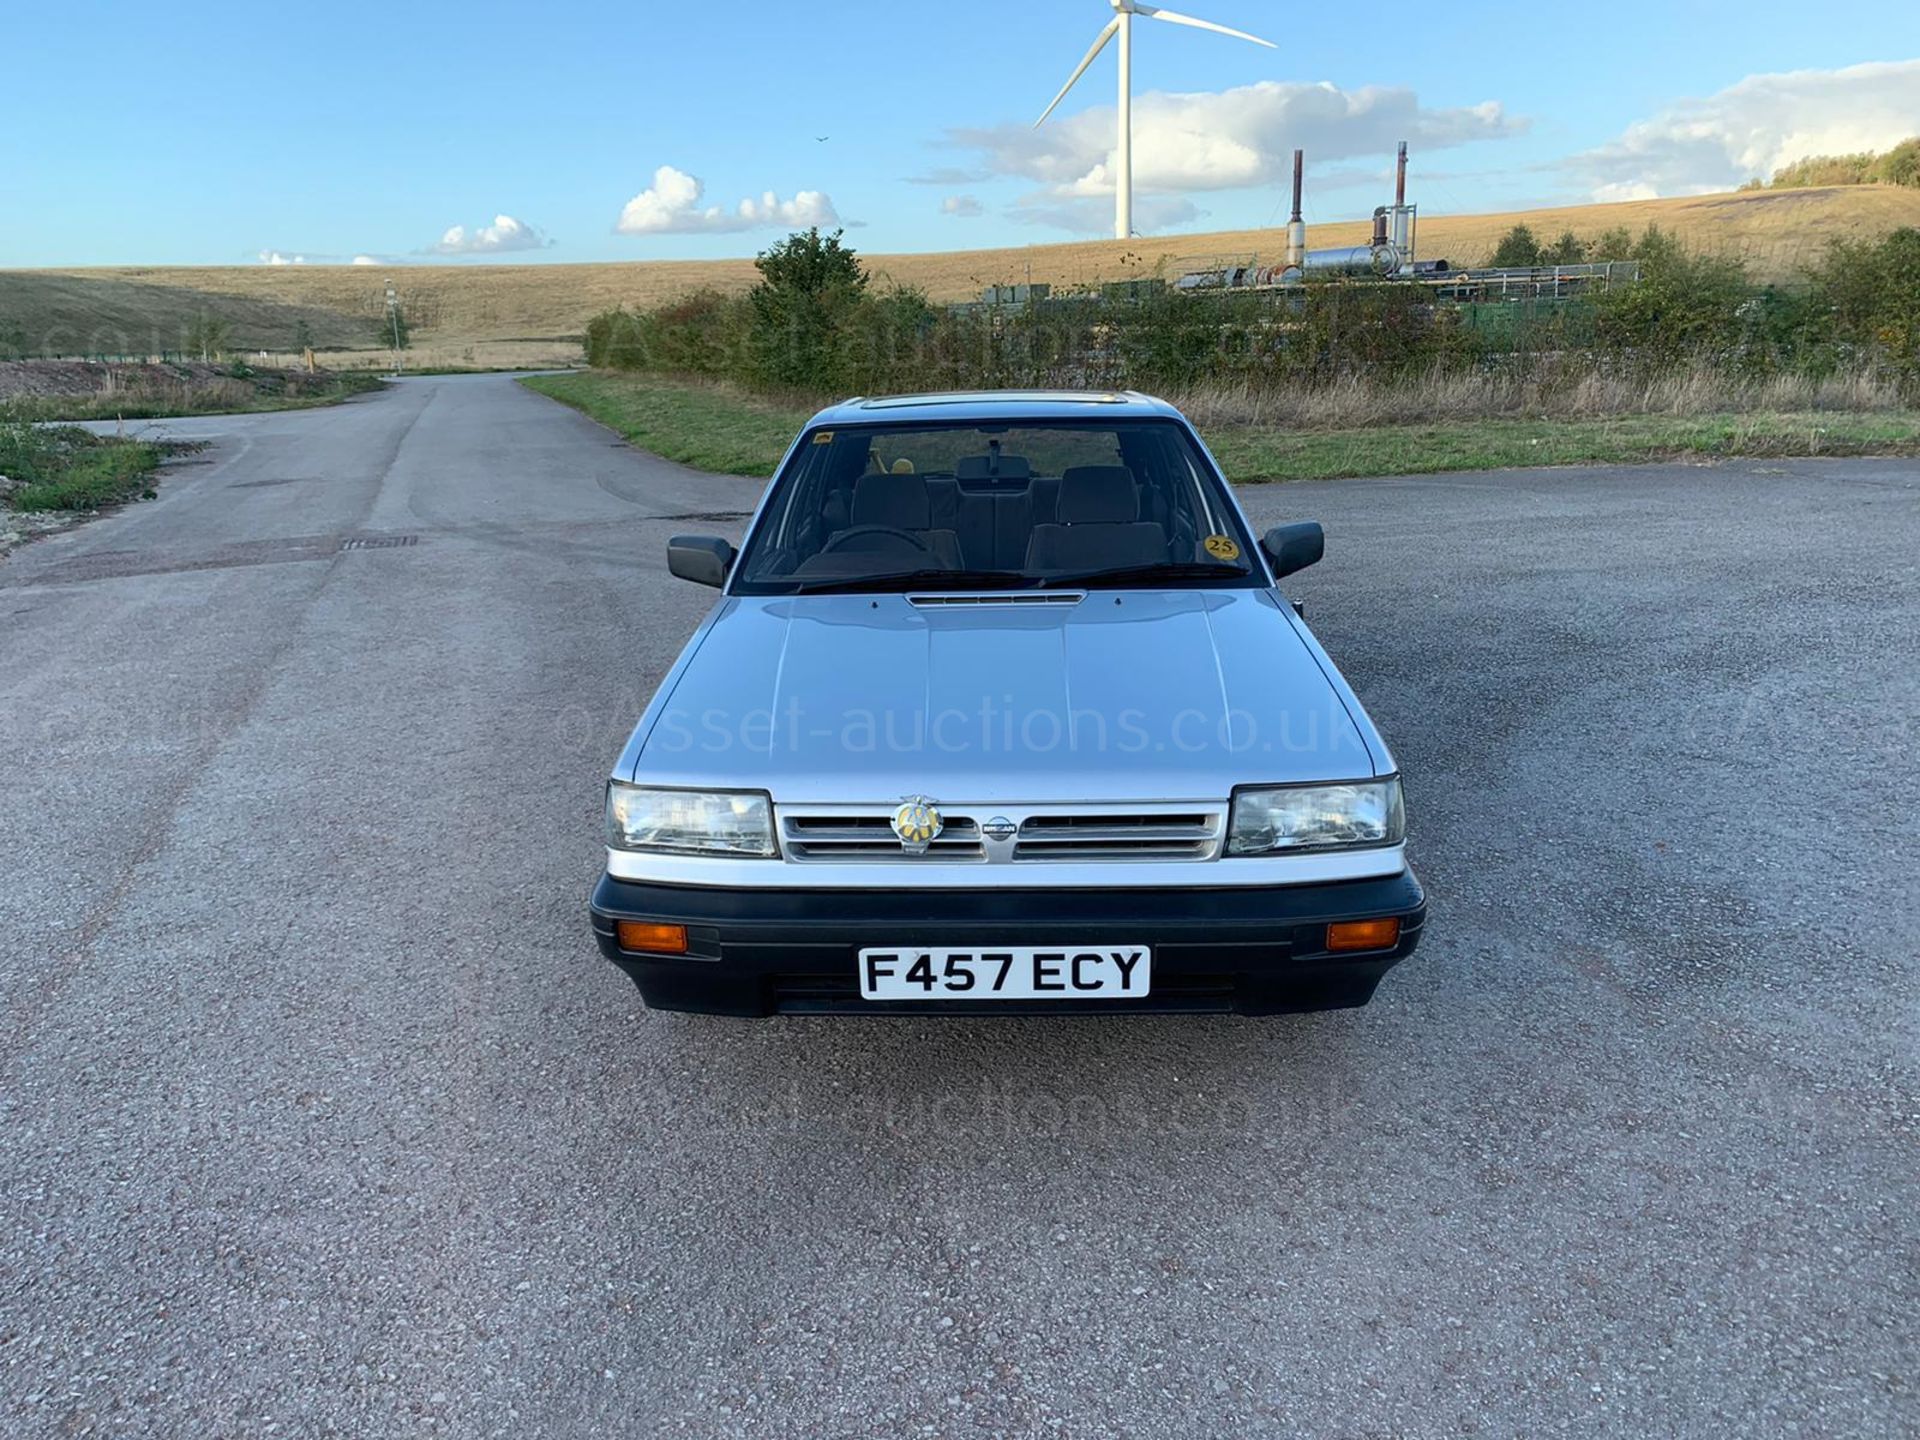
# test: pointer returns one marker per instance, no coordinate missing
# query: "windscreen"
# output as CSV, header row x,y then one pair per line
x,y
1019,505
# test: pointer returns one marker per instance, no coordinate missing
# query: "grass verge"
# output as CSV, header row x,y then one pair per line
x,y
237,397
70,469
716,427
1250,453
707,426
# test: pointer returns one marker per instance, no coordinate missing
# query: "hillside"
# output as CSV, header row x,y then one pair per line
x,y
522,313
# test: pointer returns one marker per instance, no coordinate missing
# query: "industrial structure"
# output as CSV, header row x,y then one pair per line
x,y
1390,254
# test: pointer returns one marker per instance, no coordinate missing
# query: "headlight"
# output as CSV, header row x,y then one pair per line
x,y
1316,817
689,822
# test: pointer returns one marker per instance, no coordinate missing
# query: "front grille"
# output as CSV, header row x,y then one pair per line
x,y
1190,835
1034,834
858,837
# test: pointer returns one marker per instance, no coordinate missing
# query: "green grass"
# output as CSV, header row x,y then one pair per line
x,y
715,427
710,427
69,469
1250,453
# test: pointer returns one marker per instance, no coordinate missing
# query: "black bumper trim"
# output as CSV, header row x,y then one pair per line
x,y
1249,950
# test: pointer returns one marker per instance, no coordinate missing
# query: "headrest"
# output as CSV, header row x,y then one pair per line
x,y
975,467
1098,495
898,501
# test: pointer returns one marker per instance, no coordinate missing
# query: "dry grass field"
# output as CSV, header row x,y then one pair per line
x,y
468,314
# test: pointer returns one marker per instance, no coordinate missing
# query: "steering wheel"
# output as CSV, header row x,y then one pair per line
x,y
839,541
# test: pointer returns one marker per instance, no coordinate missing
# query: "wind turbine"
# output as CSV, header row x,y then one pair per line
x,y
1122,25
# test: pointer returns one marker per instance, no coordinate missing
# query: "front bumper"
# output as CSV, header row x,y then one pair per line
x,y
1247,951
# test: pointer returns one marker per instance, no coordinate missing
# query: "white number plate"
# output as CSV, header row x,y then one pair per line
x,y
1007,972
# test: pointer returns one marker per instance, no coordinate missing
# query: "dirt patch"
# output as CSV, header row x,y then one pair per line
x,y
43,378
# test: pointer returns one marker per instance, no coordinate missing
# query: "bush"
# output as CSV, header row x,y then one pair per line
x,y
815,325
1567,250
1683,305
206,335
1866,295
809,285
615,340
27,452
1614,244
704,334
390,328
1518,249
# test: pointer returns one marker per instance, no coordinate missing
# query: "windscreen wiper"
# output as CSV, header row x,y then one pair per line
x,y
922,579
1158,570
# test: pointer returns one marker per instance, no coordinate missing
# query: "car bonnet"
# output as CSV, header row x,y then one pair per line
x,y
1114,695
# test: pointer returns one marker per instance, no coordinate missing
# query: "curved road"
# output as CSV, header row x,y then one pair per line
x,y
322,1115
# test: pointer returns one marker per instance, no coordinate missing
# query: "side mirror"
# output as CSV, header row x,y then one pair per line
x,y
1294,547
703,559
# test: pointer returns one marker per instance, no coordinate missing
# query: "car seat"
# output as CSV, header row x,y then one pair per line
x,y
1097,525
899,501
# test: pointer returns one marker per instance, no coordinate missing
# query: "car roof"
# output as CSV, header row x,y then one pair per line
x,y
996,405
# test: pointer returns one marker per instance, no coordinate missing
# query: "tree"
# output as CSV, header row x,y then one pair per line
x,y
391,331
1868,292
1900,165
206,335
1518,249
1614,244
809,284
1683,305
1567,250
302,336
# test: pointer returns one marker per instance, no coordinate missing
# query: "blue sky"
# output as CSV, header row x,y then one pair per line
x,y
216,133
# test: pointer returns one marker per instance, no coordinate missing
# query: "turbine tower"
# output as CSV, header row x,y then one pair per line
x,y
1122,25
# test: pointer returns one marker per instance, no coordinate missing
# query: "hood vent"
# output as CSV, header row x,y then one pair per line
x,y
1000,597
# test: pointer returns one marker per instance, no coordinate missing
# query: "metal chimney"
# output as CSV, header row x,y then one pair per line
x,y
1402,237
1296,227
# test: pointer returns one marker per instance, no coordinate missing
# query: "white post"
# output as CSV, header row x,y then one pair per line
x,y
1123,158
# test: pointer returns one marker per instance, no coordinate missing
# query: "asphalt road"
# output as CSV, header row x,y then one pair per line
x,y
321,1115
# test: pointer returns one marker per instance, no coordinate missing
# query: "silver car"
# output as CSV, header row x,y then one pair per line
x,y
1001,709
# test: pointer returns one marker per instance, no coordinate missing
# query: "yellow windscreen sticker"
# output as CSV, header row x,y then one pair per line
x,y
1221,547
823,437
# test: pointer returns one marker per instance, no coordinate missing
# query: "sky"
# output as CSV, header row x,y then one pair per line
x,y
256,133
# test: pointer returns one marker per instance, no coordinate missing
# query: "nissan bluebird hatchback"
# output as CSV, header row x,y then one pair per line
x,y
1001,709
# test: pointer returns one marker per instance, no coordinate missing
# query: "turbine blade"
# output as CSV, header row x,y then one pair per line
x,y
1174,17
1099,44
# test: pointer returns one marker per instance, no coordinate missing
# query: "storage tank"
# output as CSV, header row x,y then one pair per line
x,y
1353,260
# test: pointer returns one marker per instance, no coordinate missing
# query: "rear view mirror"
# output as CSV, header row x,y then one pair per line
x,y
703,559
1294,547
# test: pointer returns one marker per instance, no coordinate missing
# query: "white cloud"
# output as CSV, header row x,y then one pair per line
x,y
671,205
504,234
274,257
1220,140
963,206
364,260
1753,127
